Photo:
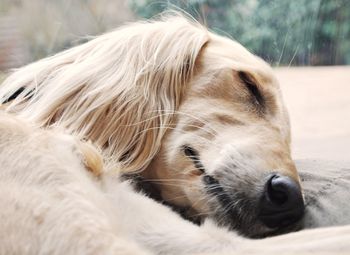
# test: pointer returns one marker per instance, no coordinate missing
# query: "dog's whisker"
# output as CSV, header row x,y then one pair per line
x,y
202,138
193,117
166,180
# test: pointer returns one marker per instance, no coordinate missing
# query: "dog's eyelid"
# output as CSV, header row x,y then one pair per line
x,y
194,156
251,85
189,151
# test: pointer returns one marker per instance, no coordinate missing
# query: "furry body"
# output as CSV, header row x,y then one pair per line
x,y
147,91
53,203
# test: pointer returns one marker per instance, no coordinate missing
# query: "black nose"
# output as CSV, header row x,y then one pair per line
x,y
282,202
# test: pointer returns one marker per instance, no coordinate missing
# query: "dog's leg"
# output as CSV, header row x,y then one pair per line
x,y
161,230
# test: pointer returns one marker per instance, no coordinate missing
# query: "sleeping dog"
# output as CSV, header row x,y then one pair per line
x,y
195,114
58,196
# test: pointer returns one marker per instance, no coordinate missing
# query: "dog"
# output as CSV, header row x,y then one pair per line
x,y
58,195
198,117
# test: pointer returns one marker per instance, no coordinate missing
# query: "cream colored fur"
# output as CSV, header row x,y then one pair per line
x,y
52,204
145,90
120,90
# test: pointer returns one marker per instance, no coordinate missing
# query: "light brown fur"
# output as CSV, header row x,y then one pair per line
x,y
52,204
144,91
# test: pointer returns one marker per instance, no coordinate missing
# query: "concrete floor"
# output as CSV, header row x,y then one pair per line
x,y
318,99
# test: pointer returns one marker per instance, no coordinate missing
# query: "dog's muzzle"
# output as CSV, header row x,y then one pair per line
x,y
281,203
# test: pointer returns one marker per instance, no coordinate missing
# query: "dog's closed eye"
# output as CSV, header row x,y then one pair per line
x,y
194,156
253,89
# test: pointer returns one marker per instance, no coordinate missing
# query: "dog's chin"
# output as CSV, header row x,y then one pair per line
x,y
247,225
242,219
255,229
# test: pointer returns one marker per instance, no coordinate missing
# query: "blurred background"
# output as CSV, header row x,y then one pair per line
x,y
307,42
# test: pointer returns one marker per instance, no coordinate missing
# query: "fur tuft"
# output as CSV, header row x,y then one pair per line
x,y
119,90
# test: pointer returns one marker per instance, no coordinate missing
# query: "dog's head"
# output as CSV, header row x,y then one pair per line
x,y
228,154
200,114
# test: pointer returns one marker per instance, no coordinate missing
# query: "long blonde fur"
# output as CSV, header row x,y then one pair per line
x,y
120,90
135,93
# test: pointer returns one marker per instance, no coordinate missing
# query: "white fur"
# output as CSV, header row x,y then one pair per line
x,y
51,204
123,90
137,90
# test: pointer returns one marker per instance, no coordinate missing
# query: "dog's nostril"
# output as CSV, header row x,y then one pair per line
x,y
276,190
281,203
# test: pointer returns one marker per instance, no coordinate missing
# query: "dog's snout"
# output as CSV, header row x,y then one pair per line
x,y
281,203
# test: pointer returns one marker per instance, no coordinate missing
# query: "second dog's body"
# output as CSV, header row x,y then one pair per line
x,y
52,202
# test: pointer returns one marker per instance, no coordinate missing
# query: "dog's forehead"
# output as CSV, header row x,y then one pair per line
x,y
222,53
219,64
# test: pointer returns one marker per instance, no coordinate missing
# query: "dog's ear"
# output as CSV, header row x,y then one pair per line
x,y
92,158
166,64
120,90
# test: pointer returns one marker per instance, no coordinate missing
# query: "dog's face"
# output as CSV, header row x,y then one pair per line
x,y
228,154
